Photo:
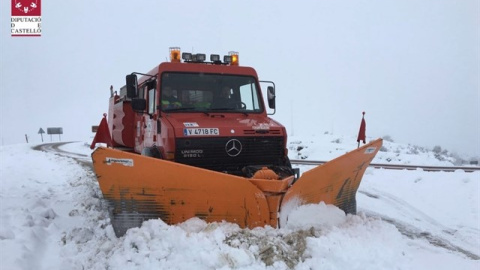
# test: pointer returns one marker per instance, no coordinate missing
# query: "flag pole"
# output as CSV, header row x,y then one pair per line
x,y
103,134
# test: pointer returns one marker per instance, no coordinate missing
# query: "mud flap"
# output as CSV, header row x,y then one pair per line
x,y
335,182
139,188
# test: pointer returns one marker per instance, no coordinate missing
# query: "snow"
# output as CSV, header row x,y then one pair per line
x,y
53,217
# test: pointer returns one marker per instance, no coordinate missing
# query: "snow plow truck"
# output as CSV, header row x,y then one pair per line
x,y
192,138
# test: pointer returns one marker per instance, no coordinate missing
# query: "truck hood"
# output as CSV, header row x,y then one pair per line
x,y
223,125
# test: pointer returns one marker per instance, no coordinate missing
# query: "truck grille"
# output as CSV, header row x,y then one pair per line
x,y
211,153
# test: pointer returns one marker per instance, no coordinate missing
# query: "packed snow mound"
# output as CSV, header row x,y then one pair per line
x,y
304,217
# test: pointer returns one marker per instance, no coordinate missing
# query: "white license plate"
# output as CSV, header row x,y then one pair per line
x,y
201,132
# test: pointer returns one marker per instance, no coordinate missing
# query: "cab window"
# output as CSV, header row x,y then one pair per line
x,y
151,101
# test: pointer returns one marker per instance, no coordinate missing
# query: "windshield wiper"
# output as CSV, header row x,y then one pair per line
x,y
181,109
229,109
222,109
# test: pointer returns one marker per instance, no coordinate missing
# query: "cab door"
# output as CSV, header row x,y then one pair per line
x,y
150,119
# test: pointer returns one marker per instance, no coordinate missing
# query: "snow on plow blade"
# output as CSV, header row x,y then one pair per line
x,y
138,188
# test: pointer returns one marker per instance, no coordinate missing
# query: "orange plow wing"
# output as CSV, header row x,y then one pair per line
x,y
335,182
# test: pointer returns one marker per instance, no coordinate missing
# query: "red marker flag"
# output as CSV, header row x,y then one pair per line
x,y
361,132
103,133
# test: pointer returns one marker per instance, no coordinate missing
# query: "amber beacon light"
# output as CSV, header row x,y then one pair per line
x,y
234,57
175,54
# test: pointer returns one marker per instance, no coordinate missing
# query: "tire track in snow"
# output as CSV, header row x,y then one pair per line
x,y
413,232
55,148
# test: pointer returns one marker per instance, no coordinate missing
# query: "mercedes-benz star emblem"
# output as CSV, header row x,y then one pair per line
x,y
233,147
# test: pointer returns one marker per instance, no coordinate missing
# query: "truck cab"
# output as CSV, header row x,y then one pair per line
x,y
207,114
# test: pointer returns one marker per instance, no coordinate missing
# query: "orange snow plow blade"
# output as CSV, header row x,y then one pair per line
x,y
140,188
335,182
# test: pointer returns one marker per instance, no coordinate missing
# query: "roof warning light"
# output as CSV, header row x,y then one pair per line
x,y
175,54
234,58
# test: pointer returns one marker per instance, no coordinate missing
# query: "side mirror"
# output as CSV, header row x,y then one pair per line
x,y
132,85
271,97
139,104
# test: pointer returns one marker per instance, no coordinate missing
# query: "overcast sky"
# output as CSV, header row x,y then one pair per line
x,y
412,66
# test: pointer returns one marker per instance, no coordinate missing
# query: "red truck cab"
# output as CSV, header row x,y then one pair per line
x,y
204,114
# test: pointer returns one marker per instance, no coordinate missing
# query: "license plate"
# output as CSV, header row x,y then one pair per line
x,y
201,132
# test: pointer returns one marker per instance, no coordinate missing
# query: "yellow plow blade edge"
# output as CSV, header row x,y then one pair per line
x,y
335,182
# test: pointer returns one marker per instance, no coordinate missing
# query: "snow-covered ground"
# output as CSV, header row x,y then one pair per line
x,y
53,217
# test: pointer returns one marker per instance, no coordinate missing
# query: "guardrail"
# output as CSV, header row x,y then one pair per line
x,y
397,167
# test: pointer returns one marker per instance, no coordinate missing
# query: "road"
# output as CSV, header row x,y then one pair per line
x,y
82,159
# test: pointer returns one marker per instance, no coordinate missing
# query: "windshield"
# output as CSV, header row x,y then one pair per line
x,y
200,92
